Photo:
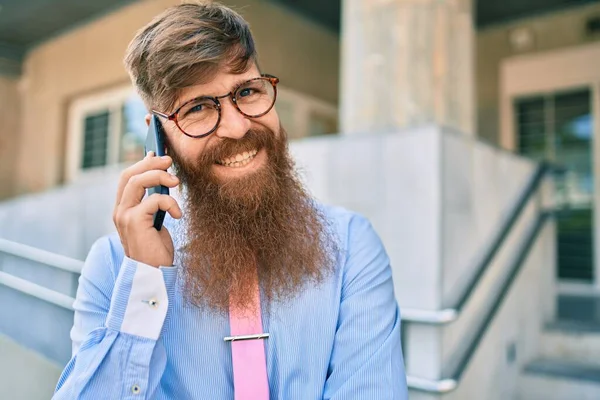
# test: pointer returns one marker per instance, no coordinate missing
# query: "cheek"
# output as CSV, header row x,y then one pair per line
x,y
271,121
193,149
188,149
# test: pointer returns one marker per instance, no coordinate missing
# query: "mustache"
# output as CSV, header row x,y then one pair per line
x,y
254,139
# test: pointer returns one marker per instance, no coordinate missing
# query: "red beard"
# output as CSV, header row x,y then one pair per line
x,y
265,218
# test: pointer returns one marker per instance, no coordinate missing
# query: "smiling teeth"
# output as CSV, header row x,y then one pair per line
x,y
239,160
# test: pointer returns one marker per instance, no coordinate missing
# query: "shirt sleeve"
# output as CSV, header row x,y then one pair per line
x,y
117,353
367,361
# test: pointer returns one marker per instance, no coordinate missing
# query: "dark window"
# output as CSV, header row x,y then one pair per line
x,y
531,122
95,147
559,127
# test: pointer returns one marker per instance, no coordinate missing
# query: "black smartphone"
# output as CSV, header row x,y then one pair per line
x,y
155,141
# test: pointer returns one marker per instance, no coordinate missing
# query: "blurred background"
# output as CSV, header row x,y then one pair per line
x,y
465,130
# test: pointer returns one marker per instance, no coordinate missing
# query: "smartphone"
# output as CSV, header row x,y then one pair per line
x,y
155,141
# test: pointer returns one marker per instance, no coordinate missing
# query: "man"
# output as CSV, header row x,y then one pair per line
x,y
251,290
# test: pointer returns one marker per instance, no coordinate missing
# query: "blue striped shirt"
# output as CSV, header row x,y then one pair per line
x,y
135,337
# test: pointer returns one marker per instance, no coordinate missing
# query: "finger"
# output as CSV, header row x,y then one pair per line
x,y
136,187
149,162
159,202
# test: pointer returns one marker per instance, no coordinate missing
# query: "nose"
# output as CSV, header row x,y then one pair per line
x,y
233,123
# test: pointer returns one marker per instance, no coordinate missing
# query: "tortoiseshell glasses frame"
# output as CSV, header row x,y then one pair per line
x,y
212,103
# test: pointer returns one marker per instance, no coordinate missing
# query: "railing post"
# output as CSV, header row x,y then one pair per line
x,y
548,202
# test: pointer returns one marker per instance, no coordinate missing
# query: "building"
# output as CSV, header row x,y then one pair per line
x,y
430,80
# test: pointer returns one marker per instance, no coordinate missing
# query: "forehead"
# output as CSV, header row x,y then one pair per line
x,y
222,83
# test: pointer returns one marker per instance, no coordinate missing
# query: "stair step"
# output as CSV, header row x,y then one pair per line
x,y
554,379
574,326
565,369
582,308
571,341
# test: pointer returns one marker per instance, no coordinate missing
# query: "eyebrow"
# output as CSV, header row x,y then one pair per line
x,y
235,86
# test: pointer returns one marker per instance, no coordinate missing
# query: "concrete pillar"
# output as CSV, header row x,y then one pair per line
x,y
406,63
10,117
10,134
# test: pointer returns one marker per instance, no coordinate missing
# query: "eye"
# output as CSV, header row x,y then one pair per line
x,y
245,92
196,108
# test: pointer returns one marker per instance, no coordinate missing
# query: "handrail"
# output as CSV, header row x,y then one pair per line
x,y
35,290
518,263
447,385
451,314
431,386
440,317
41,256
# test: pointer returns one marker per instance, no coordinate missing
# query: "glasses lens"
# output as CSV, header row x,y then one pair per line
x,y
198,117
255,97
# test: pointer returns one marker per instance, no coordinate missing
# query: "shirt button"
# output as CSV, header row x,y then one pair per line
x,y
153,303
135,389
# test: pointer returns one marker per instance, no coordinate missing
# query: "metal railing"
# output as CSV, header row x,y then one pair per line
x,y
451,314
448,315
446,385
35,290
43,257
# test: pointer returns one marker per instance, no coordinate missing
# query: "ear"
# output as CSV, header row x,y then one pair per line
x,y
148,118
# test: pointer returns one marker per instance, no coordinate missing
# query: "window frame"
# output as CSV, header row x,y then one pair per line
x,y
110,100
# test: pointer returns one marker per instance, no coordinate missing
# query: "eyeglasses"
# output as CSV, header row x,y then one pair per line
x,y
199,117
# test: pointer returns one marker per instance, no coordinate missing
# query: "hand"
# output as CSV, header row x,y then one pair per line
x,y
134,217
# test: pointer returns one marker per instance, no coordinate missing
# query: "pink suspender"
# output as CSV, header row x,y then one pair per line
x,y
248,352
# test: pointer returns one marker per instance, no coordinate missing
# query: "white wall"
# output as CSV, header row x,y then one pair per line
x,y
479,185
393,179
65,220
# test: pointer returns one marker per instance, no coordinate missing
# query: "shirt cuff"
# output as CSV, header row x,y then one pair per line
x,y
139,301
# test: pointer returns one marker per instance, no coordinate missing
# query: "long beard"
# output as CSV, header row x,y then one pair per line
x,y
264,220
